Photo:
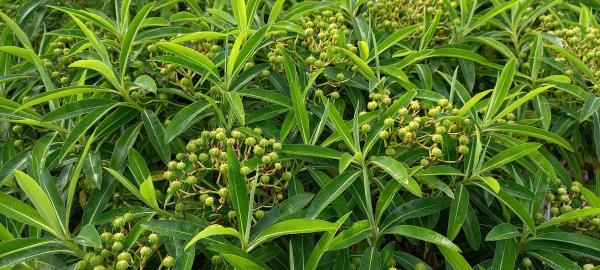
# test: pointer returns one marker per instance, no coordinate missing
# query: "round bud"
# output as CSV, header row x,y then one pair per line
x,y
286,176
121,265
118,237
231,214
383,134
117,246
168,261
527,262
209,201
463,149
106,237
145,251
153,238
265,178
259,214
96,260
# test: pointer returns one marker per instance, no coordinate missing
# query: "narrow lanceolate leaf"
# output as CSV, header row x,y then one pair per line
x,y
82,127
532,132
236,183
422,234
17,210
298,101
458,211
236,107
505,255
99,67
281,211
42,203
88,236
454,258
500,92
575,214
156,135
398,171
148,193
184,119
385,198
416,208
356,233
137,166
132,31
371,259
310,151
509,155
502,232
360,63
92,168
22,250
238,258
330,192
212,230
341,128
293,226
514,205
125,182
535,56
517,103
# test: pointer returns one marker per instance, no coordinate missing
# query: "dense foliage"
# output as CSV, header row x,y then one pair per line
x,y
248,134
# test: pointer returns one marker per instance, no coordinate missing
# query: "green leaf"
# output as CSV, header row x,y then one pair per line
x,y
75,108
137,166
422,234
238,258
19,211
282,210
398,171
126,183
62,92
330,192
148,193
415,208
509,155
360,63
82,127
236,183
42,203
532,132
191,55
123,145
394,38
156,134
293,226
356,233
88,236
237,107
26,249
516,104
212,230
92,168
514,205
555,260
298,101
535,56
572,215
505,255
129,38
99,67
146,82
503,83
454,258
502,231
310,151
458,211
371,259
590,197
385,198
184,119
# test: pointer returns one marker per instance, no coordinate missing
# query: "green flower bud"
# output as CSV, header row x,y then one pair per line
x,y
168,262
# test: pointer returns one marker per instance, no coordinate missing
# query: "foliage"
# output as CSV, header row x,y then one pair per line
x,y
391,134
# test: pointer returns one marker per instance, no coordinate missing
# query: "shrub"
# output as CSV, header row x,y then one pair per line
x,y
280,134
